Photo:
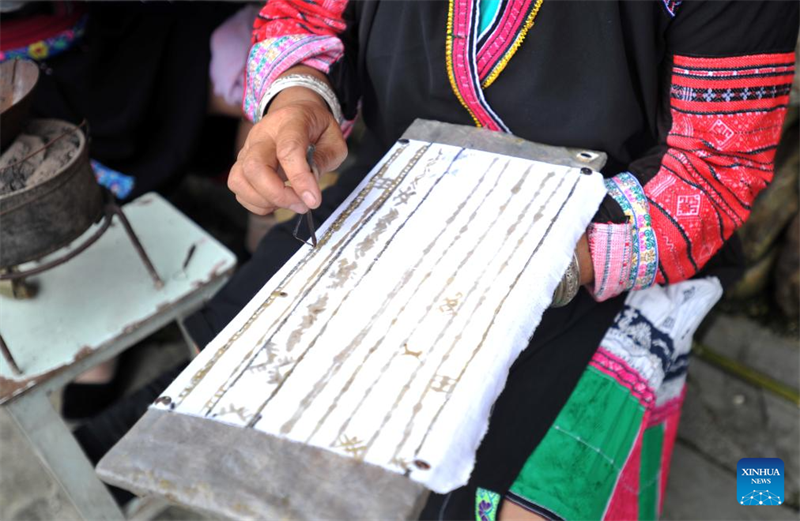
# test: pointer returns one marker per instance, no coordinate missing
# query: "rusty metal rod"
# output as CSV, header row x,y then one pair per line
x,y
741,371
138,245
9,359
61,260
48,145
111,209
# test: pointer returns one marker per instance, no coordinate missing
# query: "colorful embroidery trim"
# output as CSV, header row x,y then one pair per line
x,y
272,57
505,40
607,454
626,190
727,115
619,370
487,504
450,66
287,33
282,17
462,67
672,6
119,184
49,47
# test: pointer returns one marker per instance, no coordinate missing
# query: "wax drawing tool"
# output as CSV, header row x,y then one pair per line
x,y
309,219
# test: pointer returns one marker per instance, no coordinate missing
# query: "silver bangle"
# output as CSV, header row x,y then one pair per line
x,y
301,80
569,285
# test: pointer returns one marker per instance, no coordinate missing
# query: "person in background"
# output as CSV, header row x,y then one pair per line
x,y
123,67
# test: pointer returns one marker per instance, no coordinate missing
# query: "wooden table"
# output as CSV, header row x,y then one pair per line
x,y
89,310
227,471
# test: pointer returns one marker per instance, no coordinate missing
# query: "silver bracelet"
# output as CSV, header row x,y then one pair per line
x,y
569,285
301,80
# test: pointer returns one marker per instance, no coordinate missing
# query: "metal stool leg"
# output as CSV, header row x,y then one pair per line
x,y
137,245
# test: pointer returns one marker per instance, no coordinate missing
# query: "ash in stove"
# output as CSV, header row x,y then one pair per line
x,y
52,157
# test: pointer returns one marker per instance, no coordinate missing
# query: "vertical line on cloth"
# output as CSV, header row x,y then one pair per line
x,y
368,327
418,406
313,279
371,211
344,354
652,443
497,309
621,472
387,364
523,213
200,375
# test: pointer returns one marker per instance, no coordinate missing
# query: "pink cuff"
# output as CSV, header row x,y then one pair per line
x,y
611,250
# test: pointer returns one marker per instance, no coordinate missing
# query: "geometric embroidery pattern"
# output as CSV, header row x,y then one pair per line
x,y
626,190
487,504
726,123
279,18
287,33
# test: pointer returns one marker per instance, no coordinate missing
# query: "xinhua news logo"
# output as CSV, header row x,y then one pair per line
x,y
759,481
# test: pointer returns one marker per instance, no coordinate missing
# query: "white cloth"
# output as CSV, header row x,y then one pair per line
x,y
391,341
653,333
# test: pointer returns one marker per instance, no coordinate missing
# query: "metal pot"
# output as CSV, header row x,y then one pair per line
x,y
42,218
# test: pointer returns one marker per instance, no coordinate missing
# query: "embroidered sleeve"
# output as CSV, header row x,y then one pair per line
x,y
291,32
723,100
727,115
726,120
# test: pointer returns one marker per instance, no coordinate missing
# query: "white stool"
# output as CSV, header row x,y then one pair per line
x,y
89,310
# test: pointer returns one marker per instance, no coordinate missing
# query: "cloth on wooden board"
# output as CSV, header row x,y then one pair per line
x,y
393,335
551,364
621,72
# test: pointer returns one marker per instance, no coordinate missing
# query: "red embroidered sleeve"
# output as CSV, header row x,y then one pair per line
x,y
726,122
287,33
284,17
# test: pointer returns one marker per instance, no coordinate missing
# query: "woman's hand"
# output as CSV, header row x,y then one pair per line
x,y
275,152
